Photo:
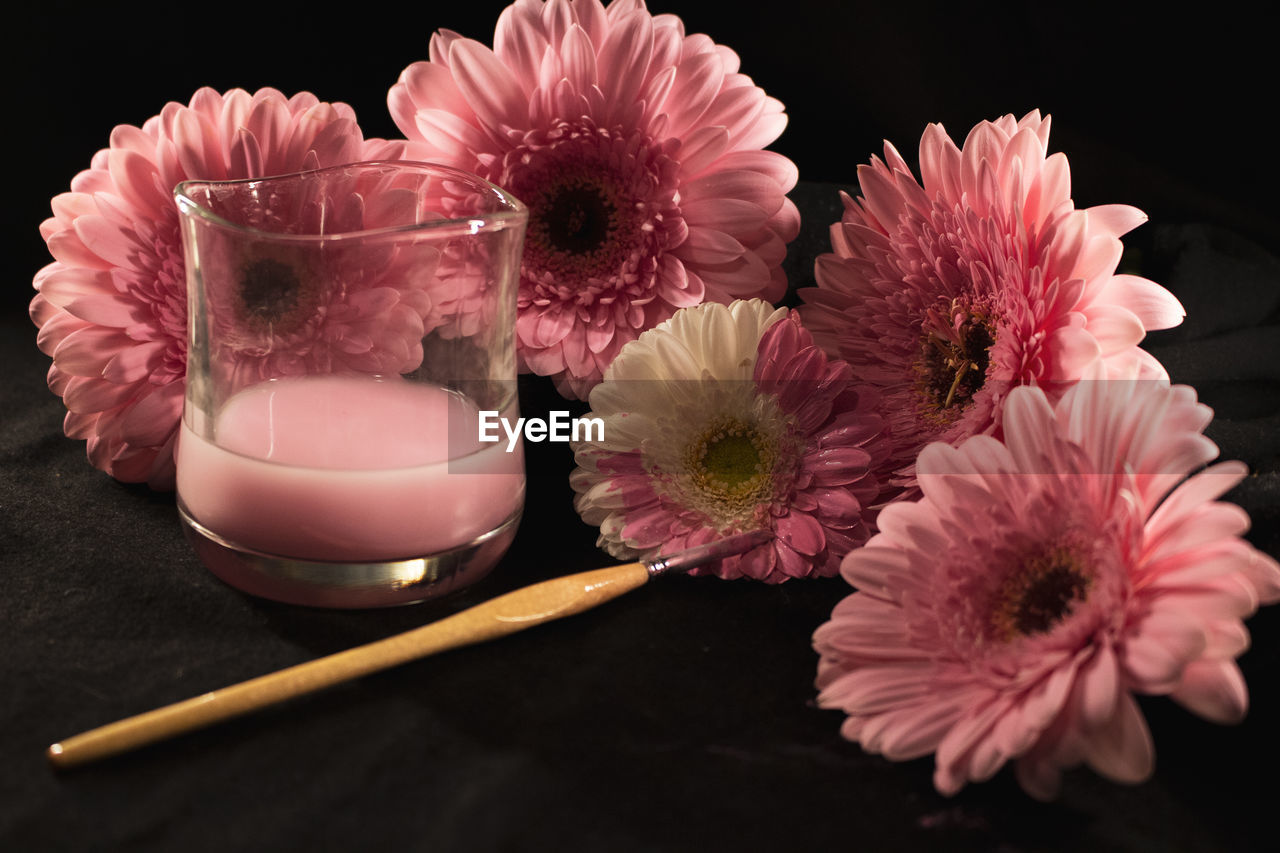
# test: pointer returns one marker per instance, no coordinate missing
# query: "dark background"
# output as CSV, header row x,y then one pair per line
x,y
681,716
1170,111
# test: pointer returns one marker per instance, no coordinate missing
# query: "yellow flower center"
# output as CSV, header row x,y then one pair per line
x,y
730,463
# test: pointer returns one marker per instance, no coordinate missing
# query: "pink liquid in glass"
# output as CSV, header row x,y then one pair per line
x,y
348,469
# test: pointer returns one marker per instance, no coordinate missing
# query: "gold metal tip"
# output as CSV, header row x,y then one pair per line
x,y
54,753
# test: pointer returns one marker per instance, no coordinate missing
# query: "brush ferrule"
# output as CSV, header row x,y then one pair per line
x,y
690,558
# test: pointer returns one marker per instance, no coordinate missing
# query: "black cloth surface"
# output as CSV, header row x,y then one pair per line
x,y
679,717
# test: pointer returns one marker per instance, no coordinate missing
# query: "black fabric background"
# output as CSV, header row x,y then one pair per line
x,y
681,716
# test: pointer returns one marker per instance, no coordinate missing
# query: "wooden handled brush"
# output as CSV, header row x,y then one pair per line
x,y
506,614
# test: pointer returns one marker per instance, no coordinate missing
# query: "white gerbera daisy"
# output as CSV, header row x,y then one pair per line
x,y
725,419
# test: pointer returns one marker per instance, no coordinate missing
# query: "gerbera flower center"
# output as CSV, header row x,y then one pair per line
x,y
953,362
1039,596
577,217
732,460
601,210
729,467
579,225
270,296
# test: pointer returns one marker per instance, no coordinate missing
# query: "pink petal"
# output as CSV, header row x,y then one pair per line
x,y
85,395
448,132
1122,751
488,86
738,183
1215,690
623,60
980,454
247,160
1052,187
777,168
154,417
916,731
195,142
84,351
1070,351
802,532
1154,306
939,163
698,81
517,42
55,327
730,215
708,246
837,466
578,58
1099,687
1098,262
873,690
1114,219
877,569
68,249
136,362
739,111
1028,419
881,195
1116,329
135,178
700,149
953,752
838,506
1163,644
1211,523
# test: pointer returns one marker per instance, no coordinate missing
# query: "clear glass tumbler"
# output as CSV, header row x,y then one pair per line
x,y
348,326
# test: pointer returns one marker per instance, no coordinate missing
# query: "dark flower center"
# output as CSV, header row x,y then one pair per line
x,y
269,292
602,210
578,226
1041,595
953,367
578,218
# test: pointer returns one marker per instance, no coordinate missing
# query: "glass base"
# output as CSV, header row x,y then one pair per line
x,y
348,585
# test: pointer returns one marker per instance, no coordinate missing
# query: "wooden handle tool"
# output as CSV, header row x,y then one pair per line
x,y
506,614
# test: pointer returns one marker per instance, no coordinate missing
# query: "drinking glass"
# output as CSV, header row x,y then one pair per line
x,y
347,326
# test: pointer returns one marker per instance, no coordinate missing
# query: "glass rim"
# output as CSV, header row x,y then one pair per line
x,y
516,213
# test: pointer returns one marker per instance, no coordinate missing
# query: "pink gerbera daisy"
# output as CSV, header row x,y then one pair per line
x,y
948,294
637,151
286,307
1013,612
112,307
723,420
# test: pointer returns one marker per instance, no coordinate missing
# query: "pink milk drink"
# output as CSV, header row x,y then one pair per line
x,y
347,328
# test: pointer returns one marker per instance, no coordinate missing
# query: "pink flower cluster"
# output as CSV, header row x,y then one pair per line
x,y
1050,546
637,147
967,379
